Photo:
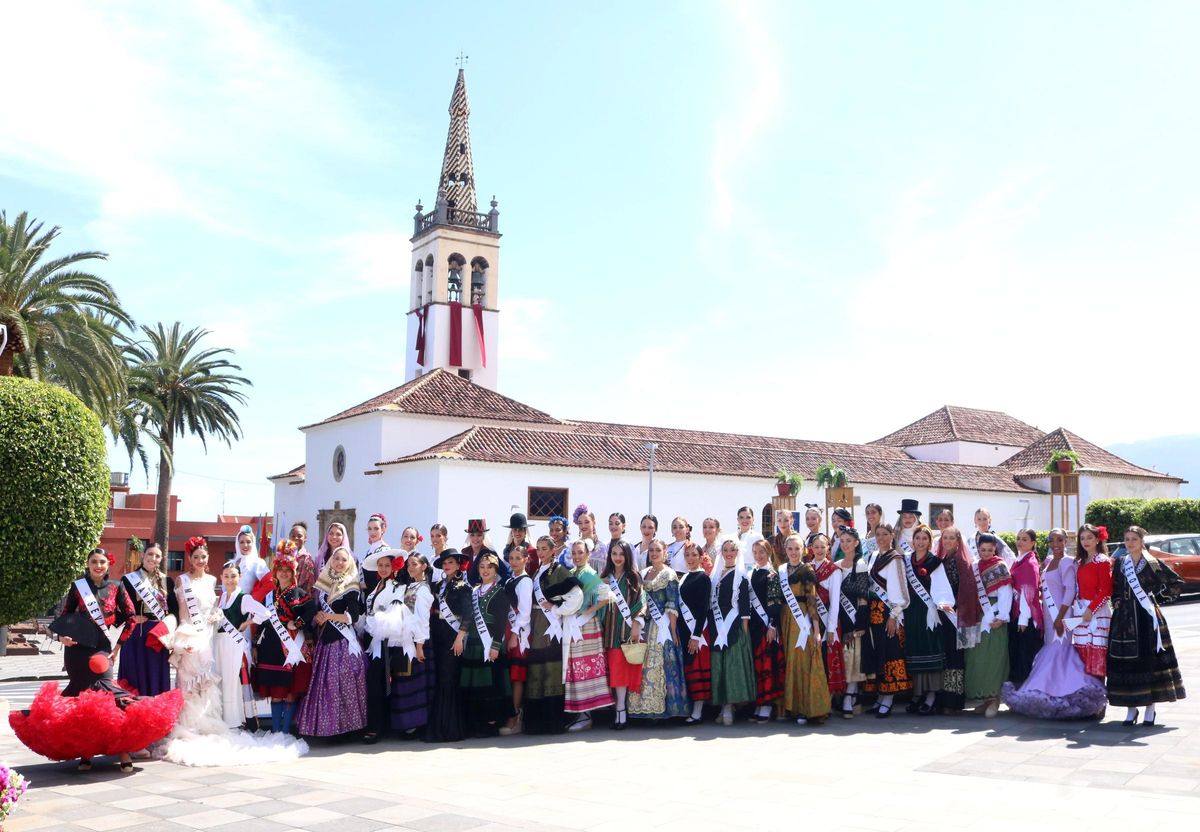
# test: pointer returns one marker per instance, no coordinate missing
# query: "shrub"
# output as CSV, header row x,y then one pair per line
x,y
1117,515
53,494
1155,516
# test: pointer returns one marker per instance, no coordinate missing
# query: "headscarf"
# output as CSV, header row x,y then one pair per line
x,y
335,586
719,569
1026,578
323,552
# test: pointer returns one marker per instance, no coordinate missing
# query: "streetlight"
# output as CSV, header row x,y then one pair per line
x,y
652,447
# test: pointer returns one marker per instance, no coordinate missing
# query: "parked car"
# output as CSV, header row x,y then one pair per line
x,y
1180,551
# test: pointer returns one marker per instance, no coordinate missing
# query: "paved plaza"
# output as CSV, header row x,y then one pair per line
x,y
906,772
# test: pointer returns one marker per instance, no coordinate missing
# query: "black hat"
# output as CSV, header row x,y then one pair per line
x,y
843,513
450,552
518,521
80,627
909,507
477,526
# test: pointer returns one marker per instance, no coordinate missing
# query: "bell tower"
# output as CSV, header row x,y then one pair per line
x,y
455,267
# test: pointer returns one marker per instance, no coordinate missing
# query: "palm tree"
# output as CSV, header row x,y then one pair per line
x,y
183,388
62,322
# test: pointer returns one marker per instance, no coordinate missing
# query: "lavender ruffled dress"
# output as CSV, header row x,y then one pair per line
x,y
1057,687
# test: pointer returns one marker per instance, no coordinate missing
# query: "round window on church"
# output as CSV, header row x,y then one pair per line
x,y
339,463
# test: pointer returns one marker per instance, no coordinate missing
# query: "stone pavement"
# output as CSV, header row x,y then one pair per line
x,y
902,773
47,664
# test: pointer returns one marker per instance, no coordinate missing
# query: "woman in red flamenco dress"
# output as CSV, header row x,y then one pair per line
x,y
94,716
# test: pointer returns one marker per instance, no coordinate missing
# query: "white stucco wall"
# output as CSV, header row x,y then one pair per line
x,y
452,491
437,344
964,453
1100,487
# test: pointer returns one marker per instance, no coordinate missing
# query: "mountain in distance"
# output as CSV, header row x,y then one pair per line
x,y
1175,455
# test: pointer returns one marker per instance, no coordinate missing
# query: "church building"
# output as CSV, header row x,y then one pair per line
x,y
446,445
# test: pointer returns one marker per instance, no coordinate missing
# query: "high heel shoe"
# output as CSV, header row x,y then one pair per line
x,y
1129,723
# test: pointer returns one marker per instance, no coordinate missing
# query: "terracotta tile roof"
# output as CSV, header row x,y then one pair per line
x,y
295,473
964,424
580,450
442,393
703,437
1031,462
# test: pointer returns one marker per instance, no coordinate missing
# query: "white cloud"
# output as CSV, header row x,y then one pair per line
x,y
151,105
526,332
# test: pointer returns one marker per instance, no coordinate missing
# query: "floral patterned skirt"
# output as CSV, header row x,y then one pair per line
x,y
664,690
889,670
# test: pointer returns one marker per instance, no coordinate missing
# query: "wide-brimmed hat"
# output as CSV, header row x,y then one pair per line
x,y
477,526
518,521
372,561
448,553
910,507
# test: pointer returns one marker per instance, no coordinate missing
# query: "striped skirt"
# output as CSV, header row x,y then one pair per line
x,y
697,672
770,668
587,672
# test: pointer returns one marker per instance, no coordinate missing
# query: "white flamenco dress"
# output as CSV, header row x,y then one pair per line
x,y
201,736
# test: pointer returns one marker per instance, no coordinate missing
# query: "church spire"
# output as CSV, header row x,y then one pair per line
x,y
457,185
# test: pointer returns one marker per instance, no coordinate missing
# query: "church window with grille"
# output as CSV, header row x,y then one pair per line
x,y
544,503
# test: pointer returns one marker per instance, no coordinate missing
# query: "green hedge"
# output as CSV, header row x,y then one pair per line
x,y
1155,516
53,494
1042,544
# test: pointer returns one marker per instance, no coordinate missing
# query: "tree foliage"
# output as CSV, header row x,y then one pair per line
x,y
53,494
63,322
182,388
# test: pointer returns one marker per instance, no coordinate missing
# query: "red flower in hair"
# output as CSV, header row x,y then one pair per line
x,y
420,537
194,543
1102,533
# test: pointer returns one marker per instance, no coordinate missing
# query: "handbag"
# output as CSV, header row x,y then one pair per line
x,y
635,651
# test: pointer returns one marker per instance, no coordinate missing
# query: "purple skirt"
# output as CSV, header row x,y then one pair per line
x,y
336,702
146,671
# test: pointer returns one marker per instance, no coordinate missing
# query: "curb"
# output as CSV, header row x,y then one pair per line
x,y
55,677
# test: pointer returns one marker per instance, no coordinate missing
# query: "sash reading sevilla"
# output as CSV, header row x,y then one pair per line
x,y
756,604
1131,578
294,656
801,619
228,629
90,602
689,619
661,625
480,625
553,625
444,611
193,605
931,617
619,597
148,596
346,631
724,624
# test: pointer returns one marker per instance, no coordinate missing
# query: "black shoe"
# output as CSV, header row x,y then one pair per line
x,y
925,709
1129,723
883,713
912,707
370,738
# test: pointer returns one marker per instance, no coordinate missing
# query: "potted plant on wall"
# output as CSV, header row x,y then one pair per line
x,y
1062,462
788,484
829,475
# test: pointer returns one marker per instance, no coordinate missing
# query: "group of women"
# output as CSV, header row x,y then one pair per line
x,y
540,637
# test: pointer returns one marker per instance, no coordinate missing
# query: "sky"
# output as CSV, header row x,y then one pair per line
x,y
798,219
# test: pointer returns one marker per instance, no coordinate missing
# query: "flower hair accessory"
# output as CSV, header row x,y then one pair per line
x,y
286,549
194,543
1102,533
580,510
420,537
378,516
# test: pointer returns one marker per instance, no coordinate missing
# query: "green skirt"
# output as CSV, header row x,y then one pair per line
x,y
733,673
987,665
